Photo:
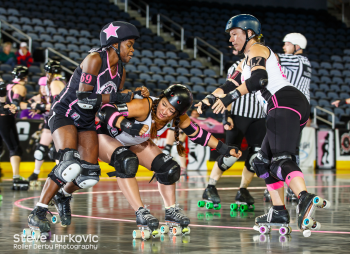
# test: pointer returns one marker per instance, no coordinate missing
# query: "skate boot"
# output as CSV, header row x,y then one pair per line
x,y
147,224
176,222
38,223
291,196
33,180
306,212
267,196
274,217
20,184
244,201
211,198
62,204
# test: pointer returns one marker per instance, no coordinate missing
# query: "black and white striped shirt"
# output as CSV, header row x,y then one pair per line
x,y
297,68
247,105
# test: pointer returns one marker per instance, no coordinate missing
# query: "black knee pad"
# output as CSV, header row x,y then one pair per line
x,y
166,170
40,152
52,152
225,162
89,176
125,163
16,152
253,151
283,165
261,165
68,168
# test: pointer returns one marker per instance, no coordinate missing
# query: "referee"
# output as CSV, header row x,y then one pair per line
x,y
246,119
297,68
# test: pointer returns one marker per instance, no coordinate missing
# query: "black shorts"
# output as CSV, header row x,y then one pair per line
x,y
253,129
46,124
57,121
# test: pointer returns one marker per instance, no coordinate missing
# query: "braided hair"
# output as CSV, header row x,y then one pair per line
x,y
180,149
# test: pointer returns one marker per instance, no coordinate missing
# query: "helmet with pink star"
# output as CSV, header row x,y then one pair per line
x,y
117,31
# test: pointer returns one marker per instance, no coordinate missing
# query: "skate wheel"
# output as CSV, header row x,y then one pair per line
x,y
264,230
136,234
306,233
145,234
164,229
26,232
284,230
318,201
177,231
289,230
252,207
55,219
316,226
217,207
326,204
36,234
186,230
308,222
209,205
243,208
201,203
233,206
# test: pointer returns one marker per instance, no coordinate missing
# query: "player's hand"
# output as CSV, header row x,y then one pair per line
x,y
143,130
234,154
336,103
144,91
11,107
229,127
200,104
219,106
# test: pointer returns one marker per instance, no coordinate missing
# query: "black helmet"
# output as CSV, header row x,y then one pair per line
x,y
20,72
179,96
117,31
53,67
245,22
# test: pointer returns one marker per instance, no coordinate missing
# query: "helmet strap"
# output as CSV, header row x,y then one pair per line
x,y
296,50
120,62
246,41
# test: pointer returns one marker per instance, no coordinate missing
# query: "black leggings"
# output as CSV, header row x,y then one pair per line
x,y
8,133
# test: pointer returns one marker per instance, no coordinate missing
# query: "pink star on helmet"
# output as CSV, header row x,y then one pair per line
x,y
111,31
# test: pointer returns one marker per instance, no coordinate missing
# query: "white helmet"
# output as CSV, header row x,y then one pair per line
x,y
296,39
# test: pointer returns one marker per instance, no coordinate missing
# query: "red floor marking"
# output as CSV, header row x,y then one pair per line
x,y
18,204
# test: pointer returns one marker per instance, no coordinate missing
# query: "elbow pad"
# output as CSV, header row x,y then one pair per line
x,y
189,130
89,100
109,114
257,81
202,137
232,85
120,97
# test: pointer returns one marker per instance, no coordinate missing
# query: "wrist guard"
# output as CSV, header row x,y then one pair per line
x,y
130,127
120,97
225,149
230,97
89,100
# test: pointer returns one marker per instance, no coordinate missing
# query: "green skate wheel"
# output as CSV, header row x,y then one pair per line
x,y
200,216
233,206
233,214
218,207
201,203
243,208
251,207
209,205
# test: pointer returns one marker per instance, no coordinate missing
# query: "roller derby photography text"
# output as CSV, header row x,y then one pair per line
x,y
56,242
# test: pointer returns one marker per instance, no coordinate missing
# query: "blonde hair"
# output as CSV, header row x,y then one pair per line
x,y
7,44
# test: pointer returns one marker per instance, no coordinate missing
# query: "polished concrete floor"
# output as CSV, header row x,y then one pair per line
x,y
103,220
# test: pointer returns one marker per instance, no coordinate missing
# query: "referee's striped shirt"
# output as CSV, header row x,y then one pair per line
x,y
297,68
247,105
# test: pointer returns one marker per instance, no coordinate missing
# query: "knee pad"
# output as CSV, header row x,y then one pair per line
x,y
253,151
166,170
261,165
68,168
52,152
225,162
40,152
282,166
16,152
125,163
89,176
167,149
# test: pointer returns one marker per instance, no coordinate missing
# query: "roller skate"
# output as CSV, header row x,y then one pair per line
x,y
62,204
306,212
244,201
175,222
38,224
211,198
291,196
147,224
20,184
33,180
267,196
274,217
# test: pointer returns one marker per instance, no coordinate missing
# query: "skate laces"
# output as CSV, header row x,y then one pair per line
x,y
175,211
66,206
41,213
269,215
145,213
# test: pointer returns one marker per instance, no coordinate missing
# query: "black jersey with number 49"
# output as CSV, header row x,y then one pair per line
x,y
66,103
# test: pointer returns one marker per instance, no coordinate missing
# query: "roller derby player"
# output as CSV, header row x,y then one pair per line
x,y
127,144
287,112
98,79
246,119
50,88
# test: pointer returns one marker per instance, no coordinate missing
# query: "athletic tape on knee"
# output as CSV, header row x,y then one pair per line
x,y
275,186
291,175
